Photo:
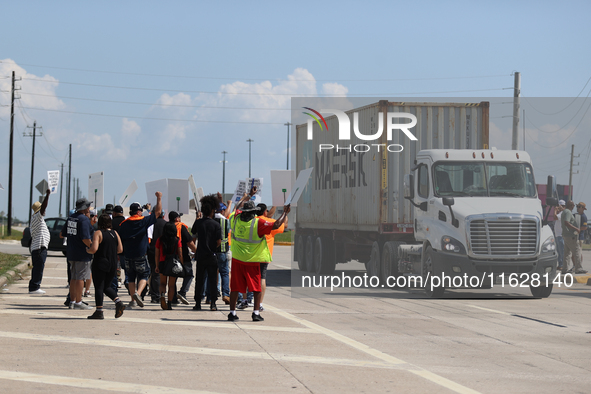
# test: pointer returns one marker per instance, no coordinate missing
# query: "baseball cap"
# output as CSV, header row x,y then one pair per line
x,y
222,207
36,206
118,209
172,215
561,202
135,207
93,212
582,205
82,204
108,209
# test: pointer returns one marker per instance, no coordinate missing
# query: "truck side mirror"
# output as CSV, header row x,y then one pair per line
x,y
551,192
449,201
409,186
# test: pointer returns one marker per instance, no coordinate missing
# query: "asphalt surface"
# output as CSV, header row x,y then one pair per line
x,y
500,340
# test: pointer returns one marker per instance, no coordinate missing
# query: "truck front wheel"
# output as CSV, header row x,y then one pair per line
x,y
373,265
431,290
541,291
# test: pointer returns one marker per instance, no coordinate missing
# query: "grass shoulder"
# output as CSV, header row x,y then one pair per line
x,y
9,261
16,235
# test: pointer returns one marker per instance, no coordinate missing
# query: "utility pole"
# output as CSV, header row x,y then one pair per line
x,y
249,145
32,165
61,187
516,94
69,182
570,176
287,124
10,157
224,175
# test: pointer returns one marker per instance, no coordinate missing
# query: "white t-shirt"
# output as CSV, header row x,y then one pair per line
x,y
558,226
39,232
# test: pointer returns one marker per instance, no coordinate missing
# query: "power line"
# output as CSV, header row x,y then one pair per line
x,y
154,104
254,93
554,113
254,79
150,118
571,119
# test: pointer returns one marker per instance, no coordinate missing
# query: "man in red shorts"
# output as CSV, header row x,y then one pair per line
x,y
249,249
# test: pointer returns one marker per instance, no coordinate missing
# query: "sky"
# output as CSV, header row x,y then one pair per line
x,y
148,90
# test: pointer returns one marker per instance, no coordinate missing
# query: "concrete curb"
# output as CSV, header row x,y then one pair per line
x,y
284,243
583,279
12,273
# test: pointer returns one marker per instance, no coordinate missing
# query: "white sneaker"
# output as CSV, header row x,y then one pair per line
x,y
38,291
82,306
132,305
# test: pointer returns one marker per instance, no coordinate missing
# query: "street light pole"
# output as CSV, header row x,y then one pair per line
x,y
249,151
224,174
287,124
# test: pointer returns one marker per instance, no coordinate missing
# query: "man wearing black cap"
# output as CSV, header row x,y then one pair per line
x,y
154,276
118,218
78,231
134,235
108,210
249,250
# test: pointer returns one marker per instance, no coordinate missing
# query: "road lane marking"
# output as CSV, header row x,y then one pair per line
x,y
490,310
95,384
432,377
200,350
125,318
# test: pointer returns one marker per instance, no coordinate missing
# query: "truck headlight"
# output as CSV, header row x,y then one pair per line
x,y
452,245
549,245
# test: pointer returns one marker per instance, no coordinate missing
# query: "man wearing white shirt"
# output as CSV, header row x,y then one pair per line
x,y
39,243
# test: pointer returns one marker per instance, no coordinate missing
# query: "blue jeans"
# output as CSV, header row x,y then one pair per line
x,y
38,257
224,273
560,249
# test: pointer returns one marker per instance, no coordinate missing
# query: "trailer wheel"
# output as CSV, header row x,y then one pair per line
x,y
309,250
390,260
324,259
430,290
541,291
299,253
373,265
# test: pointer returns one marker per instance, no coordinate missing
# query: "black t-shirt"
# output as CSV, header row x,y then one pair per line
x,y
157,233
116,222
208,233
186,238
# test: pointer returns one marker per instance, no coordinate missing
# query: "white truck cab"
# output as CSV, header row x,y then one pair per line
x,y
477,214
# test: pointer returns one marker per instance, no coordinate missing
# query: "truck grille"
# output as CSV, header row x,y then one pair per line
x,y
496,237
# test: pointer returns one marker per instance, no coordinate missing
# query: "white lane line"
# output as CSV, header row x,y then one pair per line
x,y
126,318
95,384
432,377
489,310
199,350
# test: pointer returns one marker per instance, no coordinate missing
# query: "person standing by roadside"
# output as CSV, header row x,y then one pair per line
x,y
582,220
570,234
134,234
105,246
39,242
558,233
78,231
209,238
118,218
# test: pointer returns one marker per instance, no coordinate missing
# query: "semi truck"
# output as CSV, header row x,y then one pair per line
x,y
440,207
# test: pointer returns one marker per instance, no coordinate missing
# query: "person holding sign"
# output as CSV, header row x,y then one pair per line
x,y
39,243
249,249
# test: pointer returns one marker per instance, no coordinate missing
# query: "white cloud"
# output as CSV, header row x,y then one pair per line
x,y
335,89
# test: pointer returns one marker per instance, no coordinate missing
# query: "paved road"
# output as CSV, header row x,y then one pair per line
x,y
357,341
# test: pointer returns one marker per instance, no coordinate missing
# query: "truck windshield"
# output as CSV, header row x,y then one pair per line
x,y
484,179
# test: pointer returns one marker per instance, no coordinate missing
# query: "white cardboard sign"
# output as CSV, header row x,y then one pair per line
x,y
178,195
53,180
281,183
258,182
239,192
160,185
125,198
196,192
299,186
96,188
